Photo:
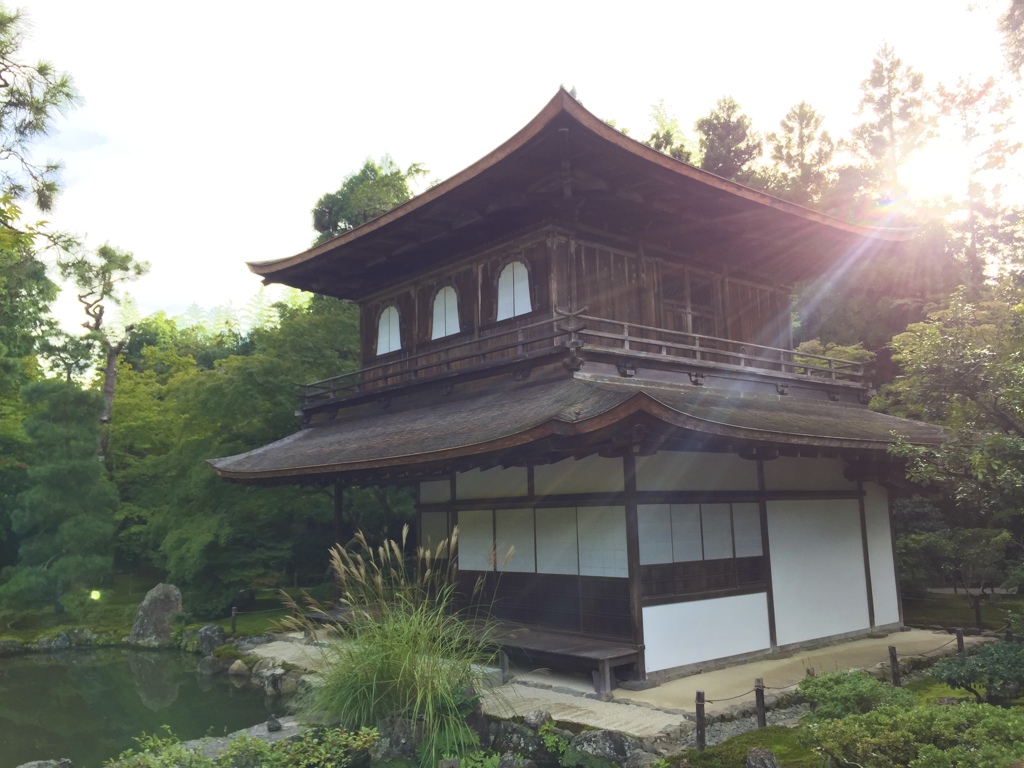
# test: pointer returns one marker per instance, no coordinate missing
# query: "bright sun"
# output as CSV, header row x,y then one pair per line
x,y
936,171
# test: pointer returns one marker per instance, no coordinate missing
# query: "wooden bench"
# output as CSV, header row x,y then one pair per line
x,y
551,645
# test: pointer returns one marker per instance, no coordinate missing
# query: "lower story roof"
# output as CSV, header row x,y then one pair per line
x,y
414,434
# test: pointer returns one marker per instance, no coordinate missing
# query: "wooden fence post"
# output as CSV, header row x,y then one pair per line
x,y
701,724
894,666
960,641
759,702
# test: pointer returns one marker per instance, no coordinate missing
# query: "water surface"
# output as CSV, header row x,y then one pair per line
x,y
89,705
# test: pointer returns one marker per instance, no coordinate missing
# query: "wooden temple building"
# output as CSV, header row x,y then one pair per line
x,y
581,349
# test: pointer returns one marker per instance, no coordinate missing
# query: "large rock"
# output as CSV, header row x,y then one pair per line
x,y
154,621
210,637
61,763
761,758
600,749
520,740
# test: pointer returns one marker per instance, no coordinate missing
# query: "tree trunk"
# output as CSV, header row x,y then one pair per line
x,y
109,384
976,605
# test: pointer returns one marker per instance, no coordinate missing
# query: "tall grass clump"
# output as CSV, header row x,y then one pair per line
x,y
401,652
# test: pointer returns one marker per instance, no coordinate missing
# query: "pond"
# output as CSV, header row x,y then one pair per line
x,y
90,705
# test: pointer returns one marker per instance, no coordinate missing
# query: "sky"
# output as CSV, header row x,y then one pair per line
x,y
207,130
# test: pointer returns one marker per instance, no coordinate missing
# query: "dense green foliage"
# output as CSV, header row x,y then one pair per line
x,y
64,519
317,748
963,736
841,694
994,673
374,189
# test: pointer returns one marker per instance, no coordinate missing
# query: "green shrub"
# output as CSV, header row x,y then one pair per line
x,y
402,653
318,748
998,668
160,751
840,694
961,736
554,742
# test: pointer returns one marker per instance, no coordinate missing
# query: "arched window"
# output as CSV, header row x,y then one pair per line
x,y
389,338
446,313
513,291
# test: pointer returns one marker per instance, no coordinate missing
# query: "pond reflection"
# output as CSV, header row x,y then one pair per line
x,y
89,705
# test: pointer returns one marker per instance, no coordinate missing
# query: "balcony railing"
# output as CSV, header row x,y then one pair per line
x,y
645,341
636,341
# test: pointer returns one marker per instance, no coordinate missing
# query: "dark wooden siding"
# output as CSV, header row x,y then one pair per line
x,y
591,605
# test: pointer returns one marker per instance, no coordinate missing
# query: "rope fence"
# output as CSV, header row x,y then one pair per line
x,y
759,687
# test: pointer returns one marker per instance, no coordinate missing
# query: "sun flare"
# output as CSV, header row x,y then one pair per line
x,y
936,171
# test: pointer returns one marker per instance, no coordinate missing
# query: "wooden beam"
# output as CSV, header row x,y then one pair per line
x,y
867,556
633,561
762,506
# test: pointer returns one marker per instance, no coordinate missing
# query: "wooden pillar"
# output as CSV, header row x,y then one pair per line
x,y
339,509
867,556
633,559
762,507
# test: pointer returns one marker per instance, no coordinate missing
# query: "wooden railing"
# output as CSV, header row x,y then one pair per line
x,y
645,341
437,359
636,341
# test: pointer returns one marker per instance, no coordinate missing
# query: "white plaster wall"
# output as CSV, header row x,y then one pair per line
x,y
805,474
817,569
883,570
494,483
592,474
436,491
513,546
688,633
476,540
691,471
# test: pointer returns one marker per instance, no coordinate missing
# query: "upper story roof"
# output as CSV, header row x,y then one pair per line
x,y
568,166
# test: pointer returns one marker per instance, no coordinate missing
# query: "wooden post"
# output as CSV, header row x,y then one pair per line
x,y
234,619
960,641
894,666
1009,634
702,741
759,702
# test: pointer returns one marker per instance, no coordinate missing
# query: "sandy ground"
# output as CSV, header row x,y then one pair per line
x,y
649,713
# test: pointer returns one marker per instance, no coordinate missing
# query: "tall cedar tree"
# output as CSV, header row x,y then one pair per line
x,y
894,99
728,142
802,152
981,114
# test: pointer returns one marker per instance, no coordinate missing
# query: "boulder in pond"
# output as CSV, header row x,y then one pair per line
x,y
210,637
61,763
154,621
